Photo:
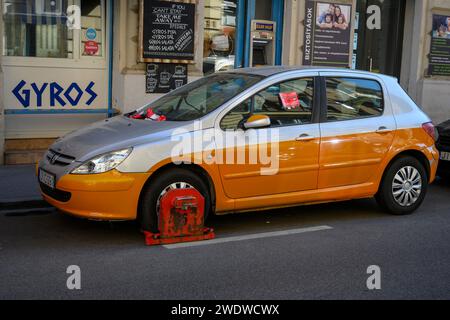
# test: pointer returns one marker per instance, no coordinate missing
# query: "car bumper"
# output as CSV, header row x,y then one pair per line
x,y
107,196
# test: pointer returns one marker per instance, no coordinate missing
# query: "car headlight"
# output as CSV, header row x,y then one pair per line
x,y
103,163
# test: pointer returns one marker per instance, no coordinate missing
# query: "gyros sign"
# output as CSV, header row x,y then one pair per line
x,y
57,95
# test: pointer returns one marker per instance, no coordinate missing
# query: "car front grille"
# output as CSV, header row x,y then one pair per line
x,y
59,159
59,195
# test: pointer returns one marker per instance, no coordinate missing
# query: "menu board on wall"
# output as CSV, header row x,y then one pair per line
x,y
164,77
167,31
440,47
327,34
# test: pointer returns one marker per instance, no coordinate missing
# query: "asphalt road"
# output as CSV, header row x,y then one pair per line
x,y
413,253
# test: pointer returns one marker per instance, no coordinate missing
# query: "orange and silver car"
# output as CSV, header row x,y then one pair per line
x,y
250,139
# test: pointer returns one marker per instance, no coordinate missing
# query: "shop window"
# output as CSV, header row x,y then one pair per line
x,y
219,35
38,28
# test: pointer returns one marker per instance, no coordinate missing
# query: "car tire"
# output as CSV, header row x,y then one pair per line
x,y
398,192
148,212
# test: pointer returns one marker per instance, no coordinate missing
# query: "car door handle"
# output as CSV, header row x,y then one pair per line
x,y
383,129
304,137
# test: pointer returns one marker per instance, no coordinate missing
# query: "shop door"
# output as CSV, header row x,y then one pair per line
x,y
380,50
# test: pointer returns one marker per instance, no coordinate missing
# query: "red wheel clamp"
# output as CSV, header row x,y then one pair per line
x,y
181,219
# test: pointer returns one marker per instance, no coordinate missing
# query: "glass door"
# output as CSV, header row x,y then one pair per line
x,y
380,50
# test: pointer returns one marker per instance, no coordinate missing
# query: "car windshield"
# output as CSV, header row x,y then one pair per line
x,y
197,98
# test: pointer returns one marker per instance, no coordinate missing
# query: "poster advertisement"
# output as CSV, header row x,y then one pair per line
x,y
440,47
167,30
327,34
164,77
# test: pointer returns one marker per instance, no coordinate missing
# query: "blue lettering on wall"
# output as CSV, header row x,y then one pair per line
x,y
39,93
23,98
68,93
91,92
55,91
58,95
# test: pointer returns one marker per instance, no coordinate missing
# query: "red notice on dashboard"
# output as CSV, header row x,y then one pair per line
x,y
290,100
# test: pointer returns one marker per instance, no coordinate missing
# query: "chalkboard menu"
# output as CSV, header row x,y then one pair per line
x,y
167,31
440,47
164,77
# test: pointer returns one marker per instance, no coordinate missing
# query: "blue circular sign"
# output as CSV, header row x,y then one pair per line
x,y
91,34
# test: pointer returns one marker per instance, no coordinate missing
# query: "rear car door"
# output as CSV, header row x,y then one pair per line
x,y
357,129
294,128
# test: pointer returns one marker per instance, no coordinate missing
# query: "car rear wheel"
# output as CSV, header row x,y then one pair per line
x,y
169,180
403,187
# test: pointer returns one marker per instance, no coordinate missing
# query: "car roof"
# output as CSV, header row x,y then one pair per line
x,y
274,70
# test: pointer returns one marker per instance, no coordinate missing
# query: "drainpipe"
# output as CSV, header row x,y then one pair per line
x,y
110,15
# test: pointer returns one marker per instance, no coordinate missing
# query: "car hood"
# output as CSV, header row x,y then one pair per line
x,y
444,128
112,134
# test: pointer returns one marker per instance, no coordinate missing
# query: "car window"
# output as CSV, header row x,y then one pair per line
x,y
201,97
352,98
286,103
233,118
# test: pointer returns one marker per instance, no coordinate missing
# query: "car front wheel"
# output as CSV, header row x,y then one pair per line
x,y
403,187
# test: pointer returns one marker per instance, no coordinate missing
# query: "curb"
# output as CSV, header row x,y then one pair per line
x,y
24,204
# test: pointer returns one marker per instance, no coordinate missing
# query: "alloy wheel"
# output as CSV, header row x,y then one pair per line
x,y
407,186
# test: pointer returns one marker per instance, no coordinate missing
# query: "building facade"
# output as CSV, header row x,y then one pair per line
x,y
68,63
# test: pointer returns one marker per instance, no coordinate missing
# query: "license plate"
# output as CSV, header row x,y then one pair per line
x,y
445,156
47,178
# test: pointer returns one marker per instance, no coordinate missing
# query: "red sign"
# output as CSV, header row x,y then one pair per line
x,y
90,47
290,100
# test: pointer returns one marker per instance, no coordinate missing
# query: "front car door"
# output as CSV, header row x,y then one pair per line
x,y
291,162
357,129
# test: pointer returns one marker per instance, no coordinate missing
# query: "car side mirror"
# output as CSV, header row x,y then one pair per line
x,y
257,122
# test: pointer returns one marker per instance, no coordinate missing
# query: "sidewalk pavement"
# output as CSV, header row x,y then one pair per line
x,y
19,186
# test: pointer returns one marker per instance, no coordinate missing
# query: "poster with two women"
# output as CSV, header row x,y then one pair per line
x,y
327,34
